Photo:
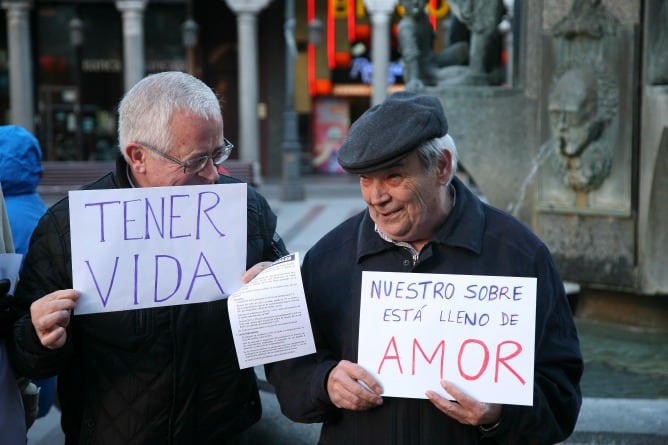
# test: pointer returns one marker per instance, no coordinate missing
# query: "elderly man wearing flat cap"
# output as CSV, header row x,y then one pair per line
x,y
422,219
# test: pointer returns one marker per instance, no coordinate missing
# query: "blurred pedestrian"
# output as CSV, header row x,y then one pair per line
x,y
421,218
20,172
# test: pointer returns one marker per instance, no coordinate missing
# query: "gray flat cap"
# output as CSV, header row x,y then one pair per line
x,y
391,130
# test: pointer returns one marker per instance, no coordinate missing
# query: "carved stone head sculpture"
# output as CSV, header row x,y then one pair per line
x,y
577,126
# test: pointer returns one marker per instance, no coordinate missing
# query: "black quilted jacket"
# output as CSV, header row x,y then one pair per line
x,y
152,376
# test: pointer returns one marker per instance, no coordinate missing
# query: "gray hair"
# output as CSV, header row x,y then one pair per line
x,y
146,110
431,151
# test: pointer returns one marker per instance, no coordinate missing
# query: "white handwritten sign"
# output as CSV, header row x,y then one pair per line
x,y
157,246
476,331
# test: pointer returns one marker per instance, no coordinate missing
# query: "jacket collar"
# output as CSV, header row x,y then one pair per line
x,y
122,172
463,227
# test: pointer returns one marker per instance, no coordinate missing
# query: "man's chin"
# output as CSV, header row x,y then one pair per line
x,y
393,231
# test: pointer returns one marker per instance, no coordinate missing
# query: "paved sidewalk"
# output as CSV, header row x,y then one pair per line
x,y
329,201
601,422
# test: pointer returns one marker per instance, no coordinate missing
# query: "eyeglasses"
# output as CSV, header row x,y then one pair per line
x,y
196,165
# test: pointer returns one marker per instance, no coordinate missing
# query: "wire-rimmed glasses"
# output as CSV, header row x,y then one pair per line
x,y
196,165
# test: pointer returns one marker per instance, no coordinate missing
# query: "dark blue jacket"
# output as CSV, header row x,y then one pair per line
x,y
475,239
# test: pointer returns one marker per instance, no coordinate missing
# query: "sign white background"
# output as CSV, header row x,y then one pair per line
x,y
416,329
157,246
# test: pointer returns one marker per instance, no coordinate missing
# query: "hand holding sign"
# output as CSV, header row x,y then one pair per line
x,y
476,331
465,409
351,387
51,315
254,271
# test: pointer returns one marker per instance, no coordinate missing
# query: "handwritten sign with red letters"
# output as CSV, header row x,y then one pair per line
x,y
476,331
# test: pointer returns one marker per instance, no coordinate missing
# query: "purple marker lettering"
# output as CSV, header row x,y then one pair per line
x,y
159,225
196,275
126,220
157,278
105,298
206,211
173,216
101,204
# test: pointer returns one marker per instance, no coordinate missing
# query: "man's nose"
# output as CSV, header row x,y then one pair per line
x,y
210,172
377,193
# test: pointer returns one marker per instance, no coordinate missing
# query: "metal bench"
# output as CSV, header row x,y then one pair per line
x,y
59,177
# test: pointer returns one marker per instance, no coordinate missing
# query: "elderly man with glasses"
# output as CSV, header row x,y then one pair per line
x,y
148,376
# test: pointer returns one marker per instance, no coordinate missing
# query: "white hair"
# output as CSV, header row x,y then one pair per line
x,y
147,108
431,151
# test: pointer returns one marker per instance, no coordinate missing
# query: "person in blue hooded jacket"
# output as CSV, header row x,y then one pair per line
x,y
20,172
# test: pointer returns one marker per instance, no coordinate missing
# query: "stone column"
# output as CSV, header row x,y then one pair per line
x,y
380,11
292,188
132,12
249,142
21,96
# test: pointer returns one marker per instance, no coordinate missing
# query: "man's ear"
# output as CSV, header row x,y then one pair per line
x,y
136,157
445,166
